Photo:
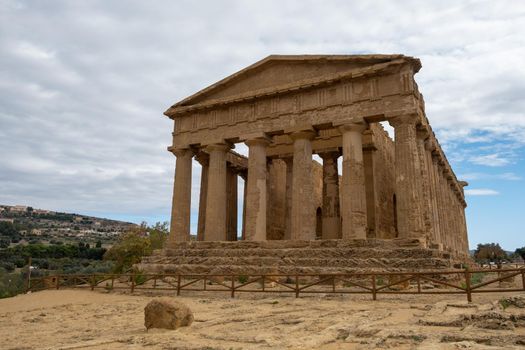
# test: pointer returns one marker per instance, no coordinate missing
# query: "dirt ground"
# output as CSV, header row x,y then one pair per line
x,y
78,319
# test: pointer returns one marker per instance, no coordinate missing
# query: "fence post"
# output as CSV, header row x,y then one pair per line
x,y
133,282
28,282
467,283
233,286
418,284
297,286
374,292
263,280
92,282
178,284
523,278
333,284
57,282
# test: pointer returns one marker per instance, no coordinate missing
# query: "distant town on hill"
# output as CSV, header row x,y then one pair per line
x,y
47,226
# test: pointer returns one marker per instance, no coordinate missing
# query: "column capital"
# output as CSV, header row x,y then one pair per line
x,y
353,126
422,132
303,135
258,141
203,158
223,147
181,152
430,145
329,154
406,119
288,160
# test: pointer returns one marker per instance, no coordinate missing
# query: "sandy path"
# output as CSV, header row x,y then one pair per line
x,y
68,319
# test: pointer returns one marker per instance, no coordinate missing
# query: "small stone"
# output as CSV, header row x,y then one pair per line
x,y
167,314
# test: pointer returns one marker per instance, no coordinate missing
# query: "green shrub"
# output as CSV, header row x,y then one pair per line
x,y
140,278
243,279
11,284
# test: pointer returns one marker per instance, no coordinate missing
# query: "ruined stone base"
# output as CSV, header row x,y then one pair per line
x,y
302,257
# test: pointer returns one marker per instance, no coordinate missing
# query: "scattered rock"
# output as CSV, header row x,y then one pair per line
x,y
516,301
167,314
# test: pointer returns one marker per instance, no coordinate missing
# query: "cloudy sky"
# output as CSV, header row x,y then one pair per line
x,y
83,85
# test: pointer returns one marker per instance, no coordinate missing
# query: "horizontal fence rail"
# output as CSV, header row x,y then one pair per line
x,y
466,282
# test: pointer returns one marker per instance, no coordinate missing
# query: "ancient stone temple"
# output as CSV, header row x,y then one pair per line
x,y
384,193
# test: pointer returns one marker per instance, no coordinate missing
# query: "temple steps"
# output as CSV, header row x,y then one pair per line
x,y
304,253
289,257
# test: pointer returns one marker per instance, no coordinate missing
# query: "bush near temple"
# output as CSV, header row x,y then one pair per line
x,y
135,244
490,252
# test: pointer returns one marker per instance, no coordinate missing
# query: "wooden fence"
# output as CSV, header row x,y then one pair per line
x,y
466,282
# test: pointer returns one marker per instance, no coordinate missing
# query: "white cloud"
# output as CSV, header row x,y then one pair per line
x,y
83,84
481,192
492,160
485,176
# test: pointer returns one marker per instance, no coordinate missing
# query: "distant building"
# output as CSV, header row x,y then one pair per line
x,y
41,211
36,232
7,220
18,209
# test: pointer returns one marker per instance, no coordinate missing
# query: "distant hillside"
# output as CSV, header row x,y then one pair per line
x,y
47,226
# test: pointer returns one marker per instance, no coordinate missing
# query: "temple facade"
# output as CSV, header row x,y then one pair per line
x,y
288,108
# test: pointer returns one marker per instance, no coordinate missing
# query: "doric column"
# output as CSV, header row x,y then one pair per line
x,y
231,210
353,199
463,218
303,212
244,175
445,227
257,190
452,214
439,198
408,176
215,229
446,209
331,213
431,166
204,161
181,203
288,198
422,134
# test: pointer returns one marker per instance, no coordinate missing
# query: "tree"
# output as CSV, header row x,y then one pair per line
x,y
490,252
129,250
8,229
520,252
158,235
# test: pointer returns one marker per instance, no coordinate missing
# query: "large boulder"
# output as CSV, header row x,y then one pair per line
x,y
167,314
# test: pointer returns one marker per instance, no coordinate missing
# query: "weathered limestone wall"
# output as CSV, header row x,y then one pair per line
x,y
384,182
276,209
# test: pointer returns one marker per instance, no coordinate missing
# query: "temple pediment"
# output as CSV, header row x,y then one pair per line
x,y
280,72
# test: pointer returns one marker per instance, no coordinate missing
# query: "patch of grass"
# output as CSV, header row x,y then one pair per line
x,y
505,303
140,278
477,278
418,338
243,279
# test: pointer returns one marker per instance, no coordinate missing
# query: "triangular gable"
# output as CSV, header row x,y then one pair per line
x,y
279,70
